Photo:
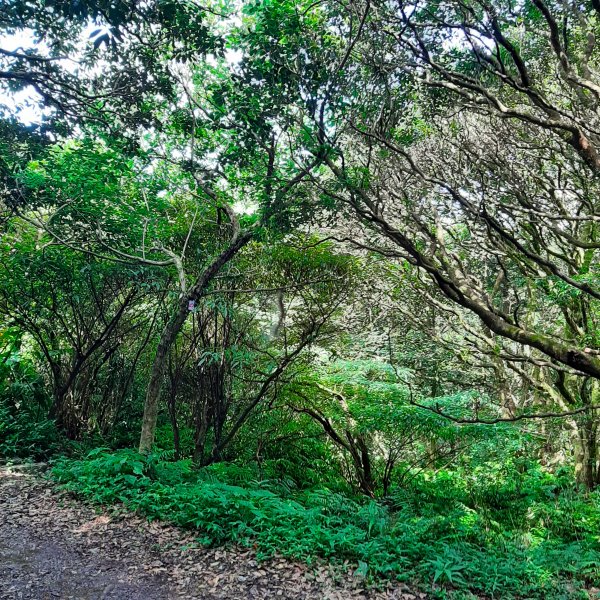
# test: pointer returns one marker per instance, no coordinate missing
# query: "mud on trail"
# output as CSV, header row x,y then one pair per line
x,y
53,546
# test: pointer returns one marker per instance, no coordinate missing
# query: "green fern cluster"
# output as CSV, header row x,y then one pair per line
x,y
438,533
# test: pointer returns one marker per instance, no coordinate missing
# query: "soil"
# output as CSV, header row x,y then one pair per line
x,y
55,546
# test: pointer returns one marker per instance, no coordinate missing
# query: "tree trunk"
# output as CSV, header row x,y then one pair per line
x,y
362,463
587,472
170,333
203,421
174,423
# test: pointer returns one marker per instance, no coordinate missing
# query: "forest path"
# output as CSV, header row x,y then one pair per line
x,y
55,547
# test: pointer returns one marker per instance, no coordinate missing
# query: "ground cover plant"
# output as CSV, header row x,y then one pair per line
x,y
495,534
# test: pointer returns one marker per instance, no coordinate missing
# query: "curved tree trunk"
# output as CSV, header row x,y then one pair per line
x,y
170,333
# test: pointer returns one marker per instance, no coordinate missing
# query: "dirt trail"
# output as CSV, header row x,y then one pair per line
x,y
52,546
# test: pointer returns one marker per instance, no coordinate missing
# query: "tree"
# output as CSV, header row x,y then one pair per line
x,y
251,334
101,62
454,146
79,314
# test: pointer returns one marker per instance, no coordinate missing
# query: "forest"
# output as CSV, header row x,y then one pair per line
x,y
319,278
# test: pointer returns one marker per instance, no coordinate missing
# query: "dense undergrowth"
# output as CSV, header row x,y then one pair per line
x,y
25,432
492,523
503,531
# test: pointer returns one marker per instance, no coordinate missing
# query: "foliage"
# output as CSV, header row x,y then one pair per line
x,y
24,437
25,432
334,265
444,530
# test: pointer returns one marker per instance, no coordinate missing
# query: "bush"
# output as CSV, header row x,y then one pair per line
x,y
25,432
21,436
